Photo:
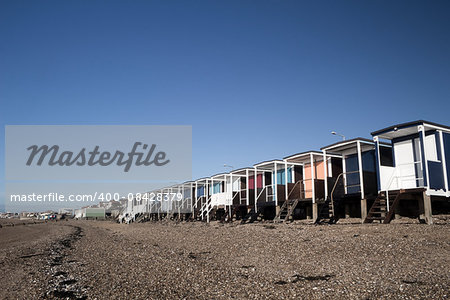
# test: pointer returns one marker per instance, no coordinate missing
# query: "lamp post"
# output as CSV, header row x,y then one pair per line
x,y
228,166
335,133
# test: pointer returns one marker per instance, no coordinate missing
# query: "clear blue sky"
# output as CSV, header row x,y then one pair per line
x,y
256,79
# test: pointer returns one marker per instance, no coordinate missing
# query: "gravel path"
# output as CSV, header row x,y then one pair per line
x,y
214,261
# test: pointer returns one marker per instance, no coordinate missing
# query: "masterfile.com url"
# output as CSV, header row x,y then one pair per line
x,y
57,197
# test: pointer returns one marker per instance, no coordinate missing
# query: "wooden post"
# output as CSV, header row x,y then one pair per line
x,y
427,209
363,209
315,210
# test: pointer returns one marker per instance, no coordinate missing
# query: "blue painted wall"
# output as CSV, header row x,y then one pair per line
x,y
369,172
436,175
216,187
280,176
200,191
368,161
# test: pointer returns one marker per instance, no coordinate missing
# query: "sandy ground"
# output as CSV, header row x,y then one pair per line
x,y
103,260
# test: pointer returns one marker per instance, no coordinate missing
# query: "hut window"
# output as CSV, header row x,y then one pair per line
x,y
216,188
386,157
430,148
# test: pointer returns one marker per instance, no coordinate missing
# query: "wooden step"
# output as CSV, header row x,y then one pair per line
x,y
375,218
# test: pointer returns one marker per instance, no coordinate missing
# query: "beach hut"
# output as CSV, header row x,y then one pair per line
x,y
165,205
202,197
357,184
221,191
243,192
308,191
186,205
414,173
274,180
160,203
174,202
133,209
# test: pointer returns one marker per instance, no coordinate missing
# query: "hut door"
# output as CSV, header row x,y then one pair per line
x,y
405,176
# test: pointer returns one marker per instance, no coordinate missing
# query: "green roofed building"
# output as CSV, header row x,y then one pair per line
x,y
94,213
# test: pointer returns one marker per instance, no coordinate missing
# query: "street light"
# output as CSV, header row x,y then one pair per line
x,y
228,166
335,133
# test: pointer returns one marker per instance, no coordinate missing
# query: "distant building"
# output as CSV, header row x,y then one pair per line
x,y
94,213
66,211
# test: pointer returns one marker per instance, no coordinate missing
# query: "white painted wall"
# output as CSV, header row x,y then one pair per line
x,y
329,168
220,199
79,213
386,178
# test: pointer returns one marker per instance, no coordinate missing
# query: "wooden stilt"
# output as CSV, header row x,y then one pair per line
x,y
363,209
315,210
427,209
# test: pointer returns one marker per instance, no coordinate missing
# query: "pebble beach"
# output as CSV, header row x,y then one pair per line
x,y
194,260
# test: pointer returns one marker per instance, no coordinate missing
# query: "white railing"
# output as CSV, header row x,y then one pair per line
x,y
237,193
243,199
223,198
266,191
400,179
154,206
301,182
260,193
199,199
206,209
343,175
183,205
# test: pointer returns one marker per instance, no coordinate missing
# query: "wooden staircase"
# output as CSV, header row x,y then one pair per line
x,y
379,209
325,214
226,217
288,207
286,210
140,218
250,217
234,213
327,210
